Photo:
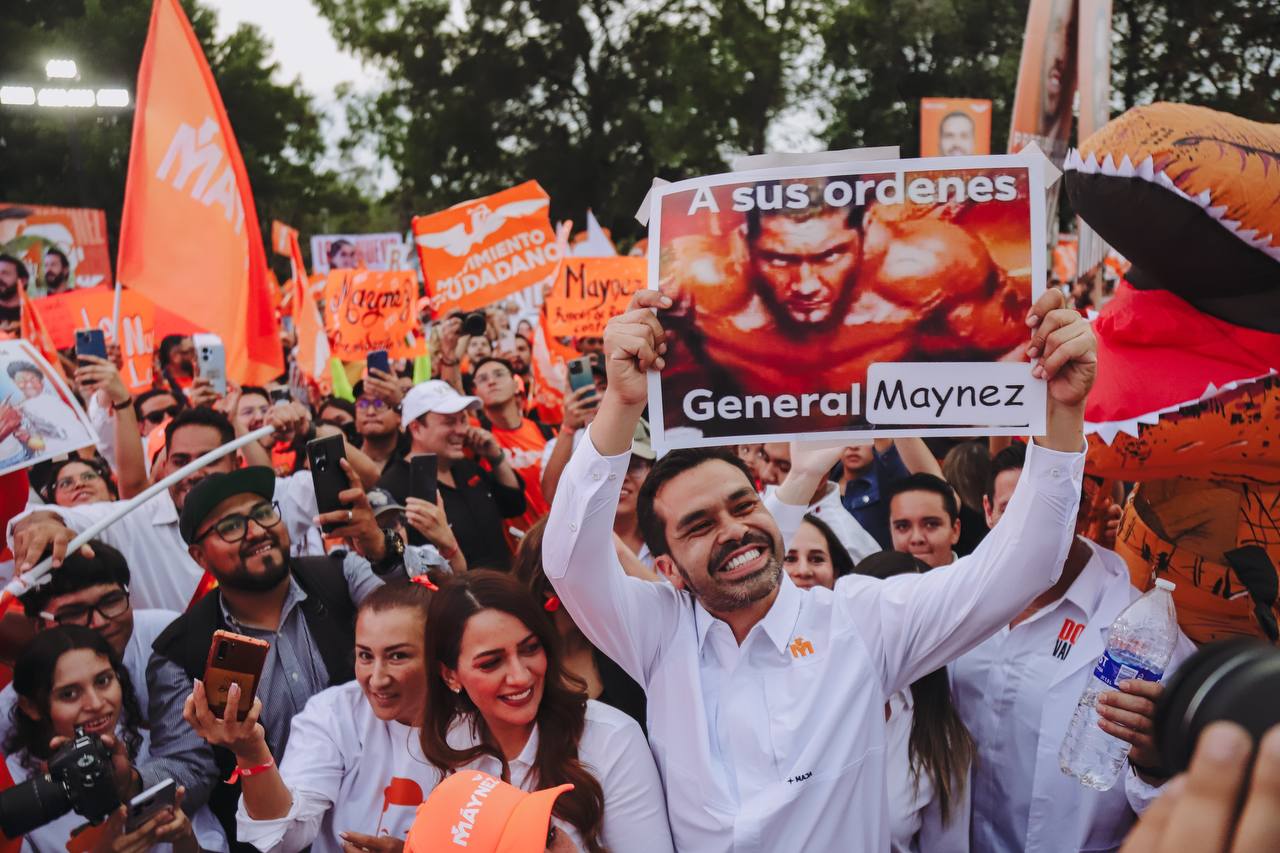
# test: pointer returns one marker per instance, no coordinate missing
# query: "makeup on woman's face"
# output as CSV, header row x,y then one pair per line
x,y
86,692
502,666
808,560
391,663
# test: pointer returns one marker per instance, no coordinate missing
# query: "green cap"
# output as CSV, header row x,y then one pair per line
x,y
216,488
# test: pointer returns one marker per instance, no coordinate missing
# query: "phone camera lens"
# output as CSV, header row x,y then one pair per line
x,y
222,650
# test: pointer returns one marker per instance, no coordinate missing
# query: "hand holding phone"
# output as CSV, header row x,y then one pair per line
x,y
90,342
327,476
233,659
378,360
422,477
150,803
580,375
211,361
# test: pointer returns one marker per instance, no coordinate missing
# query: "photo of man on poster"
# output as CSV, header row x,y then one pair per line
x,y
956,135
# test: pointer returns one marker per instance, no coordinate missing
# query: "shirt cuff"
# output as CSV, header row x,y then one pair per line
x,y
1055,465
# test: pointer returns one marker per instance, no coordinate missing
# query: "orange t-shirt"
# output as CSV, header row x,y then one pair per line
x,y
524,446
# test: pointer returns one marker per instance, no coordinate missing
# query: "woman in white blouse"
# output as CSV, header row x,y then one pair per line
x,y
499,700
353,772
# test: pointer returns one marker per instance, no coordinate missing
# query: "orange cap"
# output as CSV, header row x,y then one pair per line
x,y
474,811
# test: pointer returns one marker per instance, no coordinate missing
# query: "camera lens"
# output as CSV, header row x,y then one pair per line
x,y
1235,680
474,324
31,805
222,649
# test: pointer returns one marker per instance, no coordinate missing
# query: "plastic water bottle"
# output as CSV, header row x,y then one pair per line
x,y
1139,646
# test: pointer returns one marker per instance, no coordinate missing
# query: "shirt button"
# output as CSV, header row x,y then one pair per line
x,y
866,499
295,676
613,476
596,476
573,525
1056,472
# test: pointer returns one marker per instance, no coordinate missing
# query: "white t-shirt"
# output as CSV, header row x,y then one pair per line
x,y
147,625
348,771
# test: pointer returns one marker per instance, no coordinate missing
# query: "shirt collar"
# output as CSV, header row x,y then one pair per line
x,y
166,510
779,623
1086,590
293,599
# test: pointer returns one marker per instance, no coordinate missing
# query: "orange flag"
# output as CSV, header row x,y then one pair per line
x,y
33,329
313,341
189,236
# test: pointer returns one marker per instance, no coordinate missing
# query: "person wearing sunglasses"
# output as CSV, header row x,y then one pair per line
x,y
153,408
93,592
304,607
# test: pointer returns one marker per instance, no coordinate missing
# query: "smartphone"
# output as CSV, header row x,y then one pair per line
x,y
91,342
211,361
280,396
150,803
327,475
378,360
422,477
580,375
233,659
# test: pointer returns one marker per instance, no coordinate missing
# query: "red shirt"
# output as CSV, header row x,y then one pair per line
x,y
524,446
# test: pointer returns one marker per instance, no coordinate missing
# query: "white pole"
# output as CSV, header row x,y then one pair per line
x,y
115,315
28,580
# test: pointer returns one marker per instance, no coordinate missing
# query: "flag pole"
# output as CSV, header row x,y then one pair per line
x,y
115,315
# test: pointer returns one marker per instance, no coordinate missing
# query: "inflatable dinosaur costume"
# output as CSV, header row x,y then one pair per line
x,y
1188,396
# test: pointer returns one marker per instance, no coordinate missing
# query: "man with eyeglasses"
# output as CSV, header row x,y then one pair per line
x,y
94,592
377,423
304,607
476,501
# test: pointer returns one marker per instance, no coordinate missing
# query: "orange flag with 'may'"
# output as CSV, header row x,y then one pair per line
x,y
189,237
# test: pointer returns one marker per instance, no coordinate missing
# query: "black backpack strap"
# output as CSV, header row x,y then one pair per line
x,y
330,613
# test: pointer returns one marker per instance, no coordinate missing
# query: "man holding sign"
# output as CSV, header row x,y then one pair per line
x,y
766,703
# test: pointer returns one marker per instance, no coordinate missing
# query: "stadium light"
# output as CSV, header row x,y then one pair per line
x,y
17,96
61,69
113,97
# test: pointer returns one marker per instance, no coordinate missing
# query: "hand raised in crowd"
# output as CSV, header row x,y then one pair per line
x,y
429,520
1111,527
201,393
1199,811
358,842
634,344
99,374
356,523
579,408
384,386
39,532
291,419
482,443
452,342
246,738
1129,714
1063,349
229,404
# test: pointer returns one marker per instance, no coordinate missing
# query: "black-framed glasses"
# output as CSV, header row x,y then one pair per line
x,y
158,416
232,528
375,403
110,606
72,480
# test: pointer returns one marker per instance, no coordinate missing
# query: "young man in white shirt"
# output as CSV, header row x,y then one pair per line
x,y
766,703
1016,693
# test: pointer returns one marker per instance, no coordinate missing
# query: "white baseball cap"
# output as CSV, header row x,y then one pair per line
x,y
434,395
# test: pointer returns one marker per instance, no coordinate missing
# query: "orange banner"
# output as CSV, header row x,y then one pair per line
x,y
367,310
589,291
481,251
313,341
92,309
954,127
62,247
281,234
189,236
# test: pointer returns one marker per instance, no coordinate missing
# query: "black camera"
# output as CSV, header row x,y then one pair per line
x,y
80,778
1235,680
475,324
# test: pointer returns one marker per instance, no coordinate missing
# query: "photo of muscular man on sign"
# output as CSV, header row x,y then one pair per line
x,y
796,288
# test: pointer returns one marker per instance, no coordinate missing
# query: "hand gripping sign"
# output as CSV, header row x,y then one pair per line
x,y
849,300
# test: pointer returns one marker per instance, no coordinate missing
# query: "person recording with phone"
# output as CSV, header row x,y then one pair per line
x,y
476,501
302,606
580,402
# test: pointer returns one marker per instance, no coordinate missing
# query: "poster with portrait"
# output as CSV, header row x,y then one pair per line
x,y
39,418
60,248
954,127
849,300
379,252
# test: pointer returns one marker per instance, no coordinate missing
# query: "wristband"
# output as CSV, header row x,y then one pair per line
x,y
241,772
120,407
448,554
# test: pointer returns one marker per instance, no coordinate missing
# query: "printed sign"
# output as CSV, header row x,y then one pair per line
x,y
359,251
591,290
1045,97
367,310
481,251
39,419
849,300
62,248
954,127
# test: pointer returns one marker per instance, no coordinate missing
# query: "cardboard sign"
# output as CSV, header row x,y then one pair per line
x,y
92,309
849,300
41,236
39,418
481,251
954,127
591,290
366,310
359,251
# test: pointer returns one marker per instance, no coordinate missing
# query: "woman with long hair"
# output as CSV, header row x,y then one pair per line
x,y
69,678
500,700
928,749
353,774
816,556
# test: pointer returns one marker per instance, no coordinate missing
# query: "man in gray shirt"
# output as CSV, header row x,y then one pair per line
x,y
304,607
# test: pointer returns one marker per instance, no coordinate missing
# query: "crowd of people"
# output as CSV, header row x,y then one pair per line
x,y
579,645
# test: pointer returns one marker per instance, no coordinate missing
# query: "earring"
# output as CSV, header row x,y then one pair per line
x,y
457,688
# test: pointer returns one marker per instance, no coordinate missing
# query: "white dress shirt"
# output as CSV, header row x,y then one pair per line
x,y
1016,693
612,747
853,536
162,573
915,815
779,743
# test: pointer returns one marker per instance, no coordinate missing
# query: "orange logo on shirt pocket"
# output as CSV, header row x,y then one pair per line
x,y
800,647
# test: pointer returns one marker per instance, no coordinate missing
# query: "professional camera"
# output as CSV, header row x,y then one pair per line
x,y
80,777
475,324
1234,680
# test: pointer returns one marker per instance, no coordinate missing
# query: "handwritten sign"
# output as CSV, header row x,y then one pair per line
x,y
591,290
367,310
92,308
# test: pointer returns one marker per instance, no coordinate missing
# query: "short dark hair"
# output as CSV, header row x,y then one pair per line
x,y
77,572
841,562
167,346
62,256
151,394
48,489
815,188
256,390
6,258
921,482
200,416
336,403
16,367
1012,457
335,246
488,358
675,463
524,338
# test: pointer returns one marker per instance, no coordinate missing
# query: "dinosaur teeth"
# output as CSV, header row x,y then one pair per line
x,y
1125,169
1147,168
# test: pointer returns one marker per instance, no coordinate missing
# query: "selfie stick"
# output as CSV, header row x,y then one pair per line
x,y
29,580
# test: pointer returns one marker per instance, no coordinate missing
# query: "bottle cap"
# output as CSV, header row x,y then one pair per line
x,y
1166,584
